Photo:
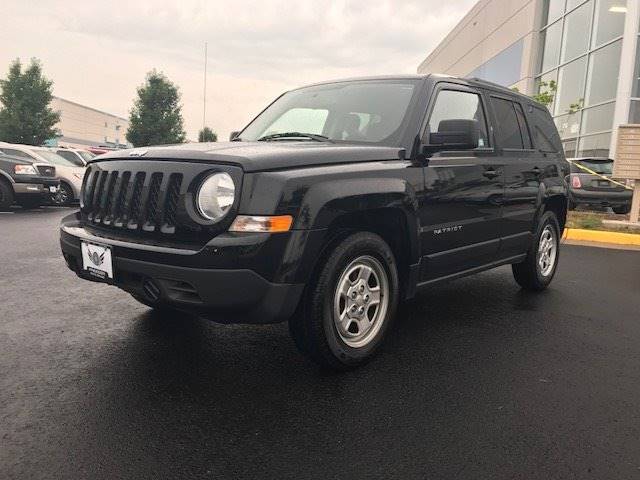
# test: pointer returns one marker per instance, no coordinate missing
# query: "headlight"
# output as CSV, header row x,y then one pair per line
x,y
215,196
25,170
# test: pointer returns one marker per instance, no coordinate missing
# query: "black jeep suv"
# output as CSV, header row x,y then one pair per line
x,y
335,203
25,183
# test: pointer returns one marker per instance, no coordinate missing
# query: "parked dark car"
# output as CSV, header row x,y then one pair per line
x,y
588,189
335,203
25,183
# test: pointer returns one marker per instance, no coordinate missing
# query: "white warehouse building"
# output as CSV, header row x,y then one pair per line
x,y
587,47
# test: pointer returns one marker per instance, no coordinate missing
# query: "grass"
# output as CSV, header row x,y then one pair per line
x,y
589,220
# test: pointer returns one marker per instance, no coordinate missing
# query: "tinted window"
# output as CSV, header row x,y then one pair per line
x,y
544,130
508,129
524,128
455,105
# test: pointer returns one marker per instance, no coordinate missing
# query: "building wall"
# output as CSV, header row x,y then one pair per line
x,y
82,125
495,40
588,48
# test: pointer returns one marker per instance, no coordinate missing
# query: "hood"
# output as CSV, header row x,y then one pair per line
x,y
261,156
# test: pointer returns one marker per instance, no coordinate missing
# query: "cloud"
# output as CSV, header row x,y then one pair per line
x,y
98,52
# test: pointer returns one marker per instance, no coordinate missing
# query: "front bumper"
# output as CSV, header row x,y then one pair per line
x,y
602,198
225,295
34,186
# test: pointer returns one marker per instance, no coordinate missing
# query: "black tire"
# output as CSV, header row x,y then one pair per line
x,y
64,196
529,274
30,203
313,326
6,196
622,209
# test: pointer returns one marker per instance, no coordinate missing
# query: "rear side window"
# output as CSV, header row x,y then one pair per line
x,y
524,128
544,130
508,125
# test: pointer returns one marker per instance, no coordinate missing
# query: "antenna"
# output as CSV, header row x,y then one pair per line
x,y
204,96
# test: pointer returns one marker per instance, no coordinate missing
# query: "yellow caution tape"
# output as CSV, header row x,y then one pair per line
x,y
582,167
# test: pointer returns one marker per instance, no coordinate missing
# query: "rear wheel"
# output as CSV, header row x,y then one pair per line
x,y
349,304
6,196
537,270
622,210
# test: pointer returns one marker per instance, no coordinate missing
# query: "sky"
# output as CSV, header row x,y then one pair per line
x,y
98,52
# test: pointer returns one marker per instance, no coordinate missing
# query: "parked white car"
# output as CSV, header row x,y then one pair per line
x,y
70,175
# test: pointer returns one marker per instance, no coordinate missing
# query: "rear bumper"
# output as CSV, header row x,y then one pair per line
x,y
237,295
605,199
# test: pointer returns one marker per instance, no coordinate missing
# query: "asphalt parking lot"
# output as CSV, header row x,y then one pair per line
x,y
478,380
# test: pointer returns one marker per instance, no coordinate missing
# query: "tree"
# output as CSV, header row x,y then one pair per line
x,y
207,135
25,116
156,116
546,93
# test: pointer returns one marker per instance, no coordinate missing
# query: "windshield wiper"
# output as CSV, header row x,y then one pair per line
x,y
312,136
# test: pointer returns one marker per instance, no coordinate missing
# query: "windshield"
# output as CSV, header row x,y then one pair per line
x,y
602,167
86,155
359,111
54,158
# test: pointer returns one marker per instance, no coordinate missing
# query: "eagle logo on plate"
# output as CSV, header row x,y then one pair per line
x,y
95,257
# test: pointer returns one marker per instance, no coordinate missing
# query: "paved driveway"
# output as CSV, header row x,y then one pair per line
x,y
478,380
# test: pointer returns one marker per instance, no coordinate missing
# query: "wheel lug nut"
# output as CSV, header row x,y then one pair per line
x,y
354,295
366,298
361,310
362,288
353,308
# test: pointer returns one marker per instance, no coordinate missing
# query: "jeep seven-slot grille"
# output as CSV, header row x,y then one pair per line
x,y
146,201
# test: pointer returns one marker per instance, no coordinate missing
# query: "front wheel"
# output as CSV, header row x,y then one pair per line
x,y
538,268
349,304
63,196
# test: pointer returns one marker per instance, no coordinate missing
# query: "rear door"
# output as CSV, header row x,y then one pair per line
x,y
524,169
461,210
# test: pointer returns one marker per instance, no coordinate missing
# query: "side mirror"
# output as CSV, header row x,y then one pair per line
x,y
233,135
455,135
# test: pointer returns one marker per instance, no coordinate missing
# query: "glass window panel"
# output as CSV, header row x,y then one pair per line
x,y
503,68
597,119
552,9
571,79
571,4
609,20
454,105
634,112
594,145
602,79
508,129
636,75
568,125
551,46
546,84
569,147
577,26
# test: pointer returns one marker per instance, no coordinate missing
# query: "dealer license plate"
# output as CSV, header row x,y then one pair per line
x,y
53,189
96,261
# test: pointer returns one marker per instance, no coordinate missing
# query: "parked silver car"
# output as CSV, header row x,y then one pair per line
x,y
70,175
76,156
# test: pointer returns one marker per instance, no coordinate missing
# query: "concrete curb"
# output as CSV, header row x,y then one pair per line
x,y
599,236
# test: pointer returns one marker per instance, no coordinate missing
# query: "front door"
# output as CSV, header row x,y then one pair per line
x,y
461,209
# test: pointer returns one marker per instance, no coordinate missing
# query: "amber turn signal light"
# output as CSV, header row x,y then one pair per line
x,y
268,224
